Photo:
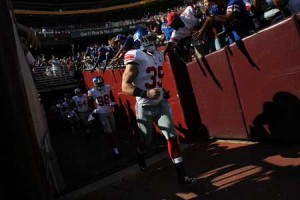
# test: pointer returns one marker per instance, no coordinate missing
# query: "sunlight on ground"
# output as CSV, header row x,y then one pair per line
x,y
265,177
212,172
186,195
235,176
283,161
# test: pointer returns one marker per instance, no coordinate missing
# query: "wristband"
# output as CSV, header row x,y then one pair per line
x,y
140,93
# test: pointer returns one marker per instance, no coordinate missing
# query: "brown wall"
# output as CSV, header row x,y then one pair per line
x,y
255,94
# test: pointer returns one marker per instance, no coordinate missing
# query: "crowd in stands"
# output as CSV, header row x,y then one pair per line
x,y
109,23
201,27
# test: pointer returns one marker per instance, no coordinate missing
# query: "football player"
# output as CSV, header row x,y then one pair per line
x,y
101,95
142,78
81,104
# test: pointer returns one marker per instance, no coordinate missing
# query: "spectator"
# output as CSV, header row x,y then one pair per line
x,y
142,78
266,12
166,30
283,6
183,26
237,21
125,44
102,50
105,54
294,6
213,39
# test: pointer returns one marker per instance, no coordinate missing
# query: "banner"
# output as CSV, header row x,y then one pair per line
x,y
97,32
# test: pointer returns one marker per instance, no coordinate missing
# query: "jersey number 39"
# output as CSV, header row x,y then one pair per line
x,y
157,75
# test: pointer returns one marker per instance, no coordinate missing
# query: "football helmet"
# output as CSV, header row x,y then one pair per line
x,y
98,82
146,38
78,92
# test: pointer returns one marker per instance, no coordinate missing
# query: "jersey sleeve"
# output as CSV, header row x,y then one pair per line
x,y
131,57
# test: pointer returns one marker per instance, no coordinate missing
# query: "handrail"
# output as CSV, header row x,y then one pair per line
x,y
48,78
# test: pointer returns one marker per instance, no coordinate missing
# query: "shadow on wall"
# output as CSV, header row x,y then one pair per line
x,y
279,121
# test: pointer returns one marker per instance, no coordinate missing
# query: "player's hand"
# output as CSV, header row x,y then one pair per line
x,y
153,93
113,103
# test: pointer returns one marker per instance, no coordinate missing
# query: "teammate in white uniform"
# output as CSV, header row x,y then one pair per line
x,y
143,78
101,94
81,103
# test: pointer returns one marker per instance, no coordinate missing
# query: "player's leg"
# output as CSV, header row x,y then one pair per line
x,y
84,121
145,126
165,123
104,120
113,134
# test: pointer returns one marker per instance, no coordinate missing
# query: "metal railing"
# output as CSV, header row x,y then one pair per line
x,y
54,77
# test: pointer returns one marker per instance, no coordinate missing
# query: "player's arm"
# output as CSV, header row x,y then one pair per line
x,y
128,88
129,75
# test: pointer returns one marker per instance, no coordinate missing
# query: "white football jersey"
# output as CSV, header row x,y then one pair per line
x,y
190,14
190,22
81,103
182,32
150,72
102,98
